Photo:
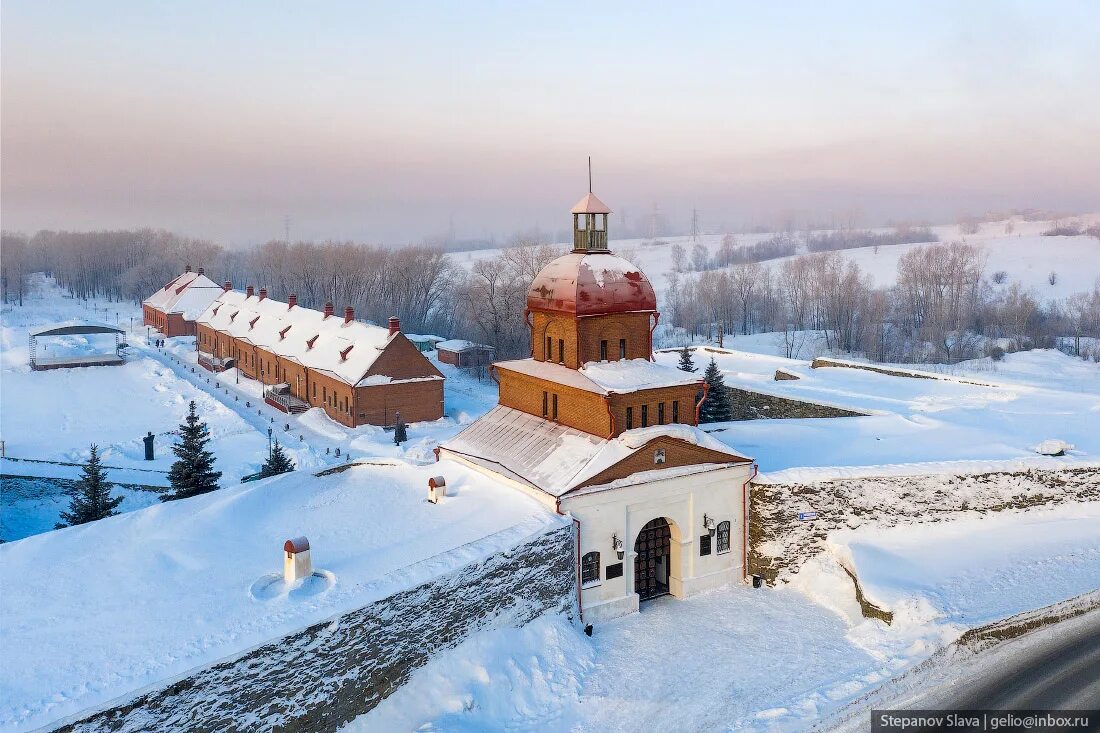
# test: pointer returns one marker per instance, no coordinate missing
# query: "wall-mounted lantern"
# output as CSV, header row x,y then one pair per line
x,y
708,524
617,546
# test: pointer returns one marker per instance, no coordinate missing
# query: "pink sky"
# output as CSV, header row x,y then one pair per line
x,y
388,122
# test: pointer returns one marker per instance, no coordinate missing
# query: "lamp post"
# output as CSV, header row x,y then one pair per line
x,y
269,443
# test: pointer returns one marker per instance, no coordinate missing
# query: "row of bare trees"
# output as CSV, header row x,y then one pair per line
x,y
942,308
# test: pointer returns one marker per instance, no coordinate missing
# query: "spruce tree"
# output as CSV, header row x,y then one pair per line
x,y
686,364
193,472
717,407
278,462
91,495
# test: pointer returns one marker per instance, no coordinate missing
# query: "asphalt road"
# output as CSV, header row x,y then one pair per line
x,y
1063,675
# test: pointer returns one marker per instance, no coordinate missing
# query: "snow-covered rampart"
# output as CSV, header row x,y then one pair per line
x,y
324,676
790,521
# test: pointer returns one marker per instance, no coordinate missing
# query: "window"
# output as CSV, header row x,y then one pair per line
x,y
561,351
704,544
545,401
676,411
555,407
314,389
629,418
590,569
614,571
645,416
549,355
603,351
660,413
324,395
723,537
622,348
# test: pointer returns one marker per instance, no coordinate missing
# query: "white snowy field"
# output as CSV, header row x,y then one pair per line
x,y
1024,255
99,610
943,425
55,415
976,570
758,660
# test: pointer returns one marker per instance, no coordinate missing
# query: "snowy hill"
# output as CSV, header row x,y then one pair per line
x,y
1024,255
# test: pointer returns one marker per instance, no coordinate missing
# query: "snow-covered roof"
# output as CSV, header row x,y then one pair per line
x,y
555,458
346,350
95,612
605,377
189,294
459,345
424,337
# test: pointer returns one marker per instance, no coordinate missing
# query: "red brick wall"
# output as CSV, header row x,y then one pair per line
x,y
402,360
416,401
652,398
582,336
577,408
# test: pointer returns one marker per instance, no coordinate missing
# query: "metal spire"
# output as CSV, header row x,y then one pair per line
x,y
589,174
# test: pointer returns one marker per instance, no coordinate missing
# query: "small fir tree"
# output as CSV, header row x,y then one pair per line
x,y
717,407
278,462
686,364
193,472
91,495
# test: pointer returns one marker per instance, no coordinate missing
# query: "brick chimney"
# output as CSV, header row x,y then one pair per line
x,y
395,325
248,292
328,309
349,314
202,271
291,301
227,286
263,293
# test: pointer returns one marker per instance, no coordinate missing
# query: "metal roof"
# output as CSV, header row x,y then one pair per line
x,y
71,330
588,284
590,205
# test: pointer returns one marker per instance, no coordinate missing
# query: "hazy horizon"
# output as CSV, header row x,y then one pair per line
x,y
390,122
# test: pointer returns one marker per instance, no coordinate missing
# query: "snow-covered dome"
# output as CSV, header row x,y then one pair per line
x,y
588,284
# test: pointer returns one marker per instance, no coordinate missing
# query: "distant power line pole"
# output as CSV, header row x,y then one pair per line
x,y
694,223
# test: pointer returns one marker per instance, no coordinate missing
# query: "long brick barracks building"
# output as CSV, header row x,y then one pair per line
x,y
592,427
357,373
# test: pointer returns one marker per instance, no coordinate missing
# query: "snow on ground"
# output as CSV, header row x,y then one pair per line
x,y
976,570
96,611
744,659
1025,255
1029,397
55,415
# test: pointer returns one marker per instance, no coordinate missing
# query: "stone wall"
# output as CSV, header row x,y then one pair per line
x,y
758,406
779,542
322,677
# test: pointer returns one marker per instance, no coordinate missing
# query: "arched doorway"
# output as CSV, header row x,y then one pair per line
x,y
653,559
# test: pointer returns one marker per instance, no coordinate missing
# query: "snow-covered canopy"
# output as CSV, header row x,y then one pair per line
x,y
189,294
557,459
459,345
346,350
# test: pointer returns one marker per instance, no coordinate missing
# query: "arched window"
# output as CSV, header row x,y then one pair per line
x,y
590,569
723,537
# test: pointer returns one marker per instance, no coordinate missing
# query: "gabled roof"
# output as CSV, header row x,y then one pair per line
x,y
590,205
189,294
304,335
556,459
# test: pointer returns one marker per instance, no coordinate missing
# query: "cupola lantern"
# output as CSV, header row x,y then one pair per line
x,y
590,221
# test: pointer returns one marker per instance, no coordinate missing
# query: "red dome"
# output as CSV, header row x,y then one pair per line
x,y
591,284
